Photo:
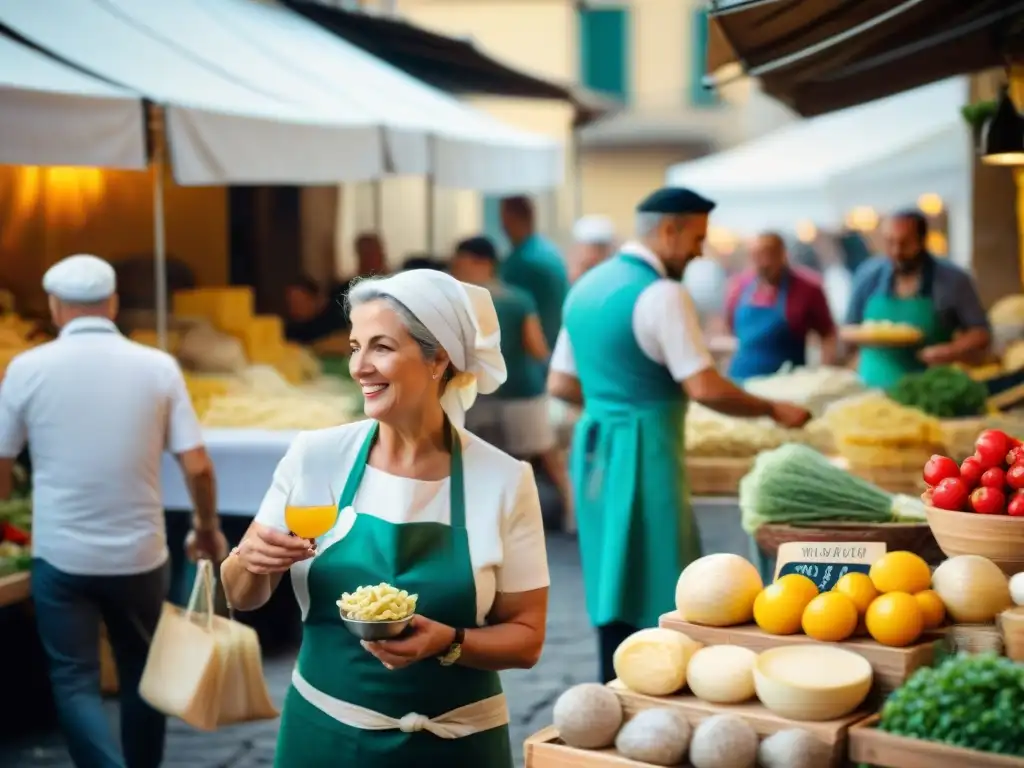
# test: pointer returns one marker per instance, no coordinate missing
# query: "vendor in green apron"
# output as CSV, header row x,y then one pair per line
x,y
632,353
909,285
426,507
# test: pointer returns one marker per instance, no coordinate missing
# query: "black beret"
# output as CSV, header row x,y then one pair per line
x,y
675,201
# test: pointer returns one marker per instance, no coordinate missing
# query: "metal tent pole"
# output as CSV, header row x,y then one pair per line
x,y
159,228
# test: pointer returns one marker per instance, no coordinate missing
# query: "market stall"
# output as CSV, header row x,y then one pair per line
x,y
849,651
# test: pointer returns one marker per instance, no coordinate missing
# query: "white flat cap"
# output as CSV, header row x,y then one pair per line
x,y
594,230
81,279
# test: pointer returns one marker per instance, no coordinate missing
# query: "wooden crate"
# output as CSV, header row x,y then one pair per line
x,y
830,732
15,588
884,750
716,476
892,666
545,750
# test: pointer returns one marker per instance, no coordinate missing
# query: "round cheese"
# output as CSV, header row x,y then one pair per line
x,y
718,590
654,661
588,716
655,736
722,674
793,748
723,741
811,682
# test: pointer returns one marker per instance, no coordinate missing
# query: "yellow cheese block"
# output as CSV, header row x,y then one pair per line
x,y
263,339
291,368
150,339
229,309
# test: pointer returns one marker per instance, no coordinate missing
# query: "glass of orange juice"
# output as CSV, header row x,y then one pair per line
x,y
310,512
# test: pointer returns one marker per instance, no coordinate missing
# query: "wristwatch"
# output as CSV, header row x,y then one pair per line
x,y
454,650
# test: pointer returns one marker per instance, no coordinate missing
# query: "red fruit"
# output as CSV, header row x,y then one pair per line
x,y
938,468
1015,476
1014,455
951,493
971,471
994,478
1016,506
988,501
991,447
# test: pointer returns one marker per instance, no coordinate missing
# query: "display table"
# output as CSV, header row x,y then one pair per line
x,y
244,460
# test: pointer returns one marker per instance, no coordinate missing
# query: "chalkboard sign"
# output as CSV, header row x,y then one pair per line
x,y
825,563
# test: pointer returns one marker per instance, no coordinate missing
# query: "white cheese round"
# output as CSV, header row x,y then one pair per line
x,y
722,674
718,590
655,736
723,741
588,716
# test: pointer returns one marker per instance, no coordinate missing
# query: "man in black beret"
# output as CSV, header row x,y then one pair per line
x,y
632,353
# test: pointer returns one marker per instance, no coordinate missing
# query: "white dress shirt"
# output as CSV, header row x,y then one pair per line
x,y
98,411
665,324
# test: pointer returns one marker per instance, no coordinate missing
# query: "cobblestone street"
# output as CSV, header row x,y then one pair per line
x,y
569,657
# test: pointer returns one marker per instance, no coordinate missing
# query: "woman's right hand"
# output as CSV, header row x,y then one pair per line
x,y
266,550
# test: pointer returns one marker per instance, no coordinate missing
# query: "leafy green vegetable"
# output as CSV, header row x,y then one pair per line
x,y
973,701
944,392
17,512
795,484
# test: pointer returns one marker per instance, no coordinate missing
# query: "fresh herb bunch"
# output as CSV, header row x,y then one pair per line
x,y
944,392
972,701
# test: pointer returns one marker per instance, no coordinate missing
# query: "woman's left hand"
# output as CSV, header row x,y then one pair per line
x,y
425,639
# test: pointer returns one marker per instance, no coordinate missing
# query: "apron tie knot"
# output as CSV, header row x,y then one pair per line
x,y
413,722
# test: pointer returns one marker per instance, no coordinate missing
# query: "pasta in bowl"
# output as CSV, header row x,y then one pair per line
x,y
378,612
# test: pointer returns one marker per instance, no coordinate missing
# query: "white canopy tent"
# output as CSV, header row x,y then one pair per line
x,y
254,93
883,155
51,114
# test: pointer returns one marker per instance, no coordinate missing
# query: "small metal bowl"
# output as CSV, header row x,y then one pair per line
x,y
376,630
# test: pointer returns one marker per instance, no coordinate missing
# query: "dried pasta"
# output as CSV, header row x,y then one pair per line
x,y
380,603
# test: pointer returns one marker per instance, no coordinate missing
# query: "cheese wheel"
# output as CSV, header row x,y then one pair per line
x,y
588,716
654,661
722,674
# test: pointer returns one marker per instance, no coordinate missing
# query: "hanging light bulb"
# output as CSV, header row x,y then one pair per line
x,y
1002,136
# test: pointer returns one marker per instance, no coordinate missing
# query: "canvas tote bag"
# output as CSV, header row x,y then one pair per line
x,y
202,668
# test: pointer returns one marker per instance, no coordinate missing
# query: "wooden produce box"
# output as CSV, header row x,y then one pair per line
x,y
716,475
891,666
884,750
15,588
765,722
545,750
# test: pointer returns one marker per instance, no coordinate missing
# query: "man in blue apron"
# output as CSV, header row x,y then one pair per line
x,y
772,309
910,285
632,353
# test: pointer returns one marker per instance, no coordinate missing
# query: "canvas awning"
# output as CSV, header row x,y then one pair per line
x,y
52,114
254,93
882,155
453,64
827,55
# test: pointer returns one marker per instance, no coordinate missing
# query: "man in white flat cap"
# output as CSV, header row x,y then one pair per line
x,y
97,412
593,242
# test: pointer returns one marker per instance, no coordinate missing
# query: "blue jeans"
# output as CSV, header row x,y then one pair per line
x,y
69,610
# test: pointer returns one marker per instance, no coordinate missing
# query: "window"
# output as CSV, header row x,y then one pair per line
x,y
699,95
603,50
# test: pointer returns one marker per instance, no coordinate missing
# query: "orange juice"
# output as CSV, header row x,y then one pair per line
x,y
310,522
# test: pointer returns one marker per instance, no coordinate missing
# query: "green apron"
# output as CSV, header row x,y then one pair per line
x,y
636,527
882,367
431,560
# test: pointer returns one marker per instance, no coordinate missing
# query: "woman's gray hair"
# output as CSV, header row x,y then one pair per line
x,y
366,290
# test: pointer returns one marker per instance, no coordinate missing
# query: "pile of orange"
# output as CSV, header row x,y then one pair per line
x,y
894,603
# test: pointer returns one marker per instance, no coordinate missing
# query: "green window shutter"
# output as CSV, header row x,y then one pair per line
x,y
492,222
699,95
604,50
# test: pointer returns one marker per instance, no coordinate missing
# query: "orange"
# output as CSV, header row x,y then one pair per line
x,y
779,606
901,572
895,619
830,617
932,608
859,588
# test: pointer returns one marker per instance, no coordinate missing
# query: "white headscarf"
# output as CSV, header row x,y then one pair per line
x,y
462,318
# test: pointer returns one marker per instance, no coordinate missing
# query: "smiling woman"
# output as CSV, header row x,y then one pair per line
x,y
426,507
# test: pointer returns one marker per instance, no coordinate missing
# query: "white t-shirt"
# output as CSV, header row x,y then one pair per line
x,y
98,411
503,516
665,323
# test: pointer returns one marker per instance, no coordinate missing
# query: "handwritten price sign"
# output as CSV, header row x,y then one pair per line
x,y
826,563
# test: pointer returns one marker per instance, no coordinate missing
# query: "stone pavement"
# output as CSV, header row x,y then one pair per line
x,y
570,657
